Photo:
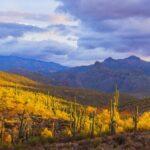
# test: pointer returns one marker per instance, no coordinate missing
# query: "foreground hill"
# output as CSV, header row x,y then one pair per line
x,y
31,115
25,66
82,96
132,75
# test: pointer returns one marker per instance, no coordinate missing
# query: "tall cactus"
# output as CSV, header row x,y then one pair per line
x,y
22,118
74,117
21,126
116,97
2,129
46,102
36,99
53,105
16,89
92,125
136,118
112,118
81,120
113,110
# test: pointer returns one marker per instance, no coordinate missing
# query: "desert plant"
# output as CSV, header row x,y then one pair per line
x,y
46,133
113,110
74,118
112,118
2,129
136,118
92,124
21,126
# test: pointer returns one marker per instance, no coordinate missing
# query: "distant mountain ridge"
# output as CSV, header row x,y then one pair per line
x,y
131,63
132,75
25,65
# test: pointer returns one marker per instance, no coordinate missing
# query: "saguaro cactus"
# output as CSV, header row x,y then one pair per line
x,y
116,98
2,129
92,125
113,110
112,118
16,89
77,118
136,118
21,127
46,102
22,117
74,116
81,119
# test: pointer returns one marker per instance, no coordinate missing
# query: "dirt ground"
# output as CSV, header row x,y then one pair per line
x,y
126,141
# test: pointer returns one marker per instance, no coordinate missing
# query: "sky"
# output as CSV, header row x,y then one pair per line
x,y
75,32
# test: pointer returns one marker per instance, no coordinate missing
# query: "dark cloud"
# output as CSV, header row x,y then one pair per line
x,y
39,50
16,30
14,41
63,29
120,44
121,26
103,28
106,9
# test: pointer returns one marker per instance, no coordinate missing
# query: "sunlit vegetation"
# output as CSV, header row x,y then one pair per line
x,y
7,79
30,117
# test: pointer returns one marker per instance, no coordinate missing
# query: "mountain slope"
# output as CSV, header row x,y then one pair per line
x,y
82,96
25,66
132,63
34,118
9,79
132,75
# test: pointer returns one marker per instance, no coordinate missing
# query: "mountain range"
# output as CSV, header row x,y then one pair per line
x,y
82,96
131,75
25,65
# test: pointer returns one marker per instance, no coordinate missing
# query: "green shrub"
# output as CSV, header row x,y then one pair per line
x,y
34,140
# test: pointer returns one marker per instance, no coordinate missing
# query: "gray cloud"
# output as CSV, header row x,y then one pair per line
x,y
64,29
34,48
16,30
121,26
106,9
13,41
106,28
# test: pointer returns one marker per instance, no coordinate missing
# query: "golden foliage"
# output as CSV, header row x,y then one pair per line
x,y
20,109
46,133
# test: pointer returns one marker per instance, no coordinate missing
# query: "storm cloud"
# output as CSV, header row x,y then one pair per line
x,y
16,30
121,26
75,32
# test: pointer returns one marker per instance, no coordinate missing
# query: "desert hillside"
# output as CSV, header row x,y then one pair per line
x,y
31,117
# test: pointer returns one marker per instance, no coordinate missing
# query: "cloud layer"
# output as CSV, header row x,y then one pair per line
x,y
75,32
119,25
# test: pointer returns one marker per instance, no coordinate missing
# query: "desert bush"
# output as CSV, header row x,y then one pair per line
x,y
34,140
29,114
66,133
46,133
144,121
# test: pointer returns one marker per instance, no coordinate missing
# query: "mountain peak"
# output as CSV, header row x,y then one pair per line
x,y
109,59
97,63
135,58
